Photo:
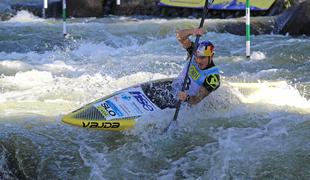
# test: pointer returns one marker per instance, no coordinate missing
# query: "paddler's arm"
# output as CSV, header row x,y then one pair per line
x,y
196,99
211,83
202,93
183,36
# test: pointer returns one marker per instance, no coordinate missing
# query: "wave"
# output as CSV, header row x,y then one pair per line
x,y
25,17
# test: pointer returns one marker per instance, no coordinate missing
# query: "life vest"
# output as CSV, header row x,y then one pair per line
x,y
196,77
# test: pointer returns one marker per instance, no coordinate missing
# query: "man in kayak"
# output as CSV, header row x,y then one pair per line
x,y
203,75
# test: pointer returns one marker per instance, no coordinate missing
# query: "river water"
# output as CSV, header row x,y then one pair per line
x,y
235,133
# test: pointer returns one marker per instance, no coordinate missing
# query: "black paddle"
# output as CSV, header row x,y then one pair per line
x,y
190,56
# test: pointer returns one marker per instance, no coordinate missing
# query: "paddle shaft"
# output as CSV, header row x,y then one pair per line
x,y
190,56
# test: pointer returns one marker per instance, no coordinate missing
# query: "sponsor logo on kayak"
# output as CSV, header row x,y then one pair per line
x,y
108,109
101,125
142,100
112,109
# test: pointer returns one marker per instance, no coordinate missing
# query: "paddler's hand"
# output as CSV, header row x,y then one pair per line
x,y
182,96
198,31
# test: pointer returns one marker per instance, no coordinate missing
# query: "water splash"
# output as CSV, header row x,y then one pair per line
x,y
25,17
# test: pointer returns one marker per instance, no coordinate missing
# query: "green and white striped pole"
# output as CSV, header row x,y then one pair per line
x,y
64,16
248,27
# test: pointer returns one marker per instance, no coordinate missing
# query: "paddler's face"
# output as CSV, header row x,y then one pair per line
x,y
203,62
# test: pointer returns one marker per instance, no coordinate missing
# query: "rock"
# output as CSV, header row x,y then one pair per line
x,y
5,15
295,21
136,7
277,8
85,8
108,7
259,25
129,7
5,11
54,10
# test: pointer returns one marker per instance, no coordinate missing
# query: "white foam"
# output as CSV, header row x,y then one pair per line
x,y
13,66
91,50
25,17
57,67
278,94
28,57
258,55
32,78
51,61
39,87
96,161
265,73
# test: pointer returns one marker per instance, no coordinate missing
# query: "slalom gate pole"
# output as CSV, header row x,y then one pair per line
x,y
45,6
64,16
248,28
